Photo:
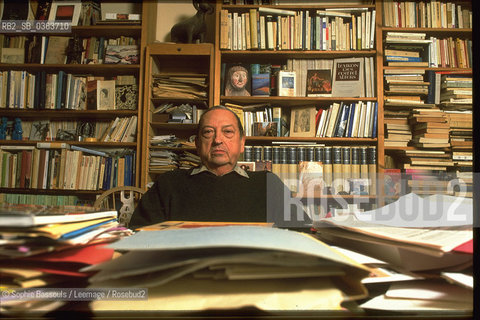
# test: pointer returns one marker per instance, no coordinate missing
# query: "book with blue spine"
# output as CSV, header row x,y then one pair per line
x,y
400,58
351,120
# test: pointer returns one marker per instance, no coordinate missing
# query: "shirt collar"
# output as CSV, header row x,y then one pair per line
x,y
203,168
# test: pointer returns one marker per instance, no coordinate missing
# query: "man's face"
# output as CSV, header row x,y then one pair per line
x,y
239,79
219,143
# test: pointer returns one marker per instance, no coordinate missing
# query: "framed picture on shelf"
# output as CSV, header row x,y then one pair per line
x,y
105,94
65,11
302,122
319,83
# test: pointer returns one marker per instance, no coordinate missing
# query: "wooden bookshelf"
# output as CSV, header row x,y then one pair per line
x,y
172,59
144,33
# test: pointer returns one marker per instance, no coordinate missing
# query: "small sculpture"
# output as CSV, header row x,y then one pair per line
x,y
193,28
17,130
3,128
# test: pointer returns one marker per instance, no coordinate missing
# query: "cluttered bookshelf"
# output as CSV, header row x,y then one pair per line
x,y
71,101
179,87
309,84
427,88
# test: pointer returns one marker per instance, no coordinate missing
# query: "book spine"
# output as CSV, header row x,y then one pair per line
x,y
327,167
346,166
337,168
292,163
372,169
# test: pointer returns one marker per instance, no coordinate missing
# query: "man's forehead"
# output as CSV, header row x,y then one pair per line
x,y
223,117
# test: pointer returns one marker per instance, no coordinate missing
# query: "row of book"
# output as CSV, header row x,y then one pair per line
x,y
339,169
348,77
354,120
414,49
20,89
426,14
65,167
121,129
269,28
43,199
66,50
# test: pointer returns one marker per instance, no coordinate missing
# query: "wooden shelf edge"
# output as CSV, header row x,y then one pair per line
x,y
76,143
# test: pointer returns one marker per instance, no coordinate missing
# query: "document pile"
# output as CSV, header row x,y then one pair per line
x,y
430,239
229,267
42,246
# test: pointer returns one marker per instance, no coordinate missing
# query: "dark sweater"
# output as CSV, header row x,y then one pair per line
x,y
178,195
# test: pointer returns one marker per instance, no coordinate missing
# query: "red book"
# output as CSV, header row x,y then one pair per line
x,y
467,247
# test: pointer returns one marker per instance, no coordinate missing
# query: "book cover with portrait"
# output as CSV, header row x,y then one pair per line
x,y
237,80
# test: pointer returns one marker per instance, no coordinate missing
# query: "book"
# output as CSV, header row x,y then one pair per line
x,y
348,77
122,54
35,215
287,83
56,50
261,84
319,83
105,91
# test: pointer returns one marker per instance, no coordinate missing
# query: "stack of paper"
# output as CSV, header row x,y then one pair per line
x,y
420,237
42,246
229,267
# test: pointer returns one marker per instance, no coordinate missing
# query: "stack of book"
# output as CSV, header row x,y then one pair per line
x,y
188,86
413,42
456,90
397,132
430,128
46,246
406,87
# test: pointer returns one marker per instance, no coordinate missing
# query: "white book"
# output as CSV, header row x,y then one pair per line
x,y
239,33
333,13
356,119
363,30
372,29
244,35
368,92
263,45
368,22
230,31
275,11
373,76
45,170
368,112
321,123
371,120
270,33
361,124
235,31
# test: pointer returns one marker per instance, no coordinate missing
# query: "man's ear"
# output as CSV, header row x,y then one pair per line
x,y
197,142
242,144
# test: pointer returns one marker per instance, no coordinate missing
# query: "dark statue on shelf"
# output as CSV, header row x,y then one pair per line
x,y
193,28
17,133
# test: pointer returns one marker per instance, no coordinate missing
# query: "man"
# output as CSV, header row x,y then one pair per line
x,y
218,190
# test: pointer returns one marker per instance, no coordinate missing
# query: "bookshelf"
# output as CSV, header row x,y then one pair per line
x,y
70,119
226,54
428,168
166,63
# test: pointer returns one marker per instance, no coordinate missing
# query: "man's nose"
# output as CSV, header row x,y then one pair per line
x,y
217,138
